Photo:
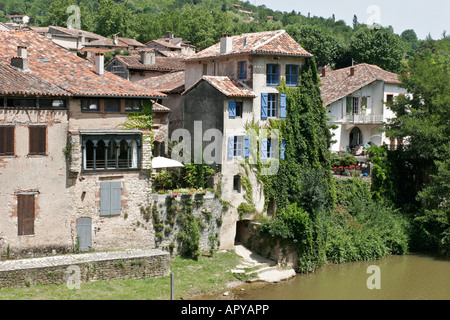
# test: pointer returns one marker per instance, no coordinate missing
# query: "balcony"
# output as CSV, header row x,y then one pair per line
x,y
363,119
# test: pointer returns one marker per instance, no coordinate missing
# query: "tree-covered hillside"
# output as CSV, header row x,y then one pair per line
x,y
332,41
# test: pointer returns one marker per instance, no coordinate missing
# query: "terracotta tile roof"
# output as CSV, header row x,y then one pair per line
x,y
168,83
65,70
15,82
339,83
163,43
270,42
226,85
106,42
131,42
161,63
71,32
159,107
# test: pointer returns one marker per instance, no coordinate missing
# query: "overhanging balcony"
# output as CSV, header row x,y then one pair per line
x,y
363,119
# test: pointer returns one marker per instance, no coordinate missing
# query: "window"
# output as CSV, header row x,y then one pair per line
x,y
25,214
21,103
52,104
238,147
291,75
272,105
101,152
237,183
235,109
37,140
243,70
133,105
272,75
269,105
268,149
6,140
355,105
110,198
90,105
204,69
112,105
390,98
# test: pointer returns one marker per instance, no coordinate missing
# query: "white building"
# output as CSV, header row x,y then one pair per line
x,y
355,98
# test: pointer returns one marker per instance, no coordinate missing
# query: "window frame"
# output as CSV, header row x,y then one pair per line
x,y
272,105
130,105
37,141
292,78
242,70
272,74
112,105
85,103
4,135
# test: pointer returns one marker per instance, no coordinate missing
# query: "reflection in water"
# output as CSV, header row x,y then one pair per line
x,y
406,277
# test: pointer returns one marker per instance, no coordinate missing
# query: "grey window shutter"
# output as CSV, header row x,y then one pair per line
x,y
110,198
246,147
116,197
263,149
105,198
230,148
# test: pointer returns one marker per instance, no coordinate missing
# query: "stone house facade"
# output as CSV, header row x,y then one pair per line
x,y
72,178
229,85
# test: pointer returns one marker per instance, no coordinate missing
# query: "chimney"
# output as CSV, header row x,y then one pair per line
x,y
99,62
352,71
226,43
148,57
21,61
324,72
169,34
116,39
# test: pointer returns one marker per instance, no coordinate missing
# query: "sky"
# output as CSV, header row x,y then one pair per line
x,y
423,16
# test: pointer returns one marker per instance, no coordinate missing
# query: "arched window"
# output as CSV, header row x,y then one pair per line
x,y
110,151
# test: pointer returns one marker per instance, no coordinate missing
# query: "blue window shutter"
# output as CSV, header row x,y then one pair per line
x,y
263,149
264,97
246,147
232,109
283,149
283,106
116,197
105,198
230,148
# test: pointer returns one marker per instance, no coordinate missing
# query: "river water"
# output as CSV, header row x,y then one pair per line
x,y
406,277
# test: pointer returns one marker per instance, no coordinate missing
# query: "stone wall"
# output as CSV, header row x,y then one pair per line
x,y
166,214
79,268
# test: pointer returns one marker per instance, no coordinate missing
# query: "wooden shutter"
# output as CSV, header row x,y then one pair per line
x,y
232,109
246,147
7,140
38,139
110,198
230,150
283,149
263,149
283,106
25,214
264,99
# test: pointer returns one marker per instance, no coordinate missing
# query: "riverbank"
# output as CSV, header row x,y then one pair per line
x,y
208,274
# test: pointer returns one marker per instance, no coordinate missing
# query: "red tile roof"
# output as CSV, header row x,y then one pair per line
x,y
161,63
270,42
226,85
52,64
168,83
339,83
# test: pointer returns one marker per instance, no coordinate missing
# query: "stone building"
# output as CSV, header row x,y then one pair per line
x,y
229,85
71,177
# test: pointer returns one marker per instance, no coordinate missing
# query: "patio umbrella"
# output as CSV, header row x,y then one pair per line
x,y
161,162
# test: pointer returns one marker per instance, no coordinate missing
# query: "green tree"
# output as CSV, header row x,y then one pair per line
x,y
318,41
379,47
422,118
58,16
115,18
